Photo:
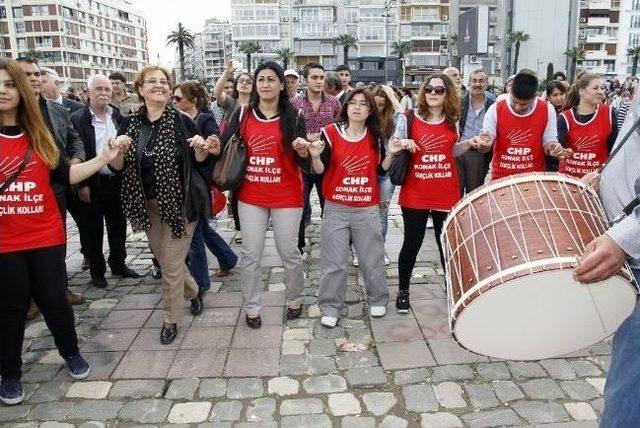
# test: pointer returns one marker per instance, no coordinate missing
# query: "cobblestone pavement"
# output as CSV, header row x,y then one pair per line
x,y
398,371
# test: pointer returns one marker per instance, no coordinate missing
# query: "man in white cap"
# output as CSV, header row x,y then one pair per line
x,y
50,85
292,77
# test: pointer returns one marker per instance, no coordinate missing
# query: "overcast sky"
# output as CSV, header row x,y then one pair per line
x,y
163,17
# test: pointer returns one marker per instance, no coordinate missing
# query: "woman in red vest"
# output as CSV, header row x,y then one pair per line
x,y
587,126
430,188
32,236
273,133
351,154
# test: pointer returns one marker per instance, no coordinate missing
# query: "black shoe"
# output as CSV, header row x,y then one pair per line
x,y
156,272
197,306
125,272
99,282
168,333
293,313
254,322
402,302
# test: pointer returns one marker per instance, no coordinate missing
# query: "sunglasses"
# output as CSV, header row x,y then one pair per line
x,y
438,90
245,81
177,98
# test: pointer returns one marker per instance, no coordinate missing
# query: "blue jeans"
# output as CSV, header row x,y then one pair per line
x,y
386,193
622,390
204,234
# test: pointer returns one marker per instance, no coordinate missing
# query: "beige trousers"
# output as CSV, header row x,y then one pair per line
x,y
177,282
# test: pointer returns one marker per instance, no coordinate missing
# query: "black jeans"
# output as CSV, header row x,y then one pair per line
x,y
309,180
37,274
104,208
415,225
233,200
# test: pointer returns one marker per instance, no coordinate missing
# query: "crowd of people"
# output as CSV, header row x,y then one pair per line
x,y
147,158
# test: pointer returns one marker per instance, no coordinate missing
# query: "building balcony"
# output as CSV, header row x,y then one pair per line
x,y
598,38
600,54
599,22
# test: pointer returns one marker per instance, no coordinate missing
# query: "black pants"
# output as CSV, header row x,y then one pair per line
x,y
37,274
105,207
233,200
415,225
309,180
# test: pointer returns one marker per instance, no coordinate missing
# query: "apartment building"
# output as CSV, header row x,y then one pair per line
x,y
599,23
193,58
216,45
76,37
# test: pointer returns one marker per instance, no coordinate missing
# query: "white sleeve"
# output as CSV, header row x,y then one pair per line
x,y
551,131
490,122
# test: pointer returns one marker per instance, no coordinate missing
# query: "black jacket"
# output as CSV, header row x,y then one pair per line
x,y
71,105
82,122
66,137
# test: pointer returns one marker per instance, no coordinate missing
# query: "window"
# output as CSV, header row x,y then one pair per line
x,y
17,12
635,5
634,39
3,12
316,14
22,44
351,15
635,21
371,32
41,10
43,42
19,26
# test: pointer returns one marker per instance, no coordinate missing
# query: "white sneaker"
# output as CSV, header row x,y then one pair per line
x,y
378,311
356,262
329,321
386,260
429,223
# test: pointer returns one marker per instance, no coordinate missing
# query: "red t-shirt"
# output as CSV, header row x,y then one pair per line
x,y
588,141
29,215
432,180
518,147
351,178
273,179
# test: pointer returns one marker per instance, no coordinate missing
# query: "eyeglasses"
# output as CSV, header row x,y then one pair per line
x,y
245,81
362,104
177,98
163,82
438,90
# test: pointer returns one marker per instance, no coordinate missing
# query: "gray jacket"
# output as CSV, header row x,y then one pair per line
x,y
66,137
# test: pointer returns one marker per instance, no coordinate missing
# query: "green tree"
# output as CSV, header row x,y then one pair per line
x,y
400,48
284,53
517,38
346,41
576,54
549,72
634,52
33,54
183,39
249,48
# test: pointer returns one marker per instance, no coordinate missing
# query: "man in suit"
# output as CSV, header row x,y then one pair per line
x,y
97,124
51,90
67,139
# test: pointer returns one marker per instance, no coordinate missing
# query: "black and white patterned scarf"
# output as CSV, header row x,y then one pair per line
x,y
166,165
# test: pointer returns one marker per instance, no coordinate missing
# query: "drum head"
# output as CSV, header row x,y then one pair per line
x,y
543,315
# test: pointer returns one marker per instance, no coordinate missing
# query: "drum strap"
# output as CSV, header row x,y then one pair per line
x,y
631,206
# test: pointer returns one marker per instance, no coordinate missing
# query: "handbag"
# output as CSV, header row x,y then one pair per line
x,y
12,177
400,164
230,168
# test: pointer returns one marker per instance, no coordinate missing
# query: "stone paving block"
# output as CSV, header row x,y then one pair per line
x,y
449,394
322,347
400,330
186,413
366,376
581,411
603,362
182,389
110,340
598,405
216,317
507,390
419,398
51,411
95,390
198,363
452,373
228,299
597,383
447,351
11,413
324,384
525,369
212,388
307,421
379,403
297,334
357,422
491,418
301,406
440,420
226,411
92,424
146,411
559,369
205,337
432,317
126,319
156,320
150,388
584,368
252,362
245,388
272,424
579,390
408,355
350,360
406,377
494,371
101,410
138,301
343,404
481,396
537,412
52,391
261,410
294,365
102,364
392,421
40,373
148,339
52,424
542,389
283,386
144,365
293,347
321,332
273,298
321,365
268,336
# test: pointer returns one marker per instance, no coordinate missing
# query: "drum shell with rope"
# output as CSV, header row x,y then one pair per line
x,y
510,250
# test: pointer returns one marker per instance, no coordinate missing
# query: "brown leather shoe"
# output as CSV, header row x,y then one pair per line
x,y
75,298
220,273
33,311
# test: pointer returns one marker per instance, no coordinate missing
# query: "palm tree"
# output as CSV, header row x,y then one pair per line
x,y
635,53
33,54
517,37
184,39
284,53
346,41
576,54
249,48
400,49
